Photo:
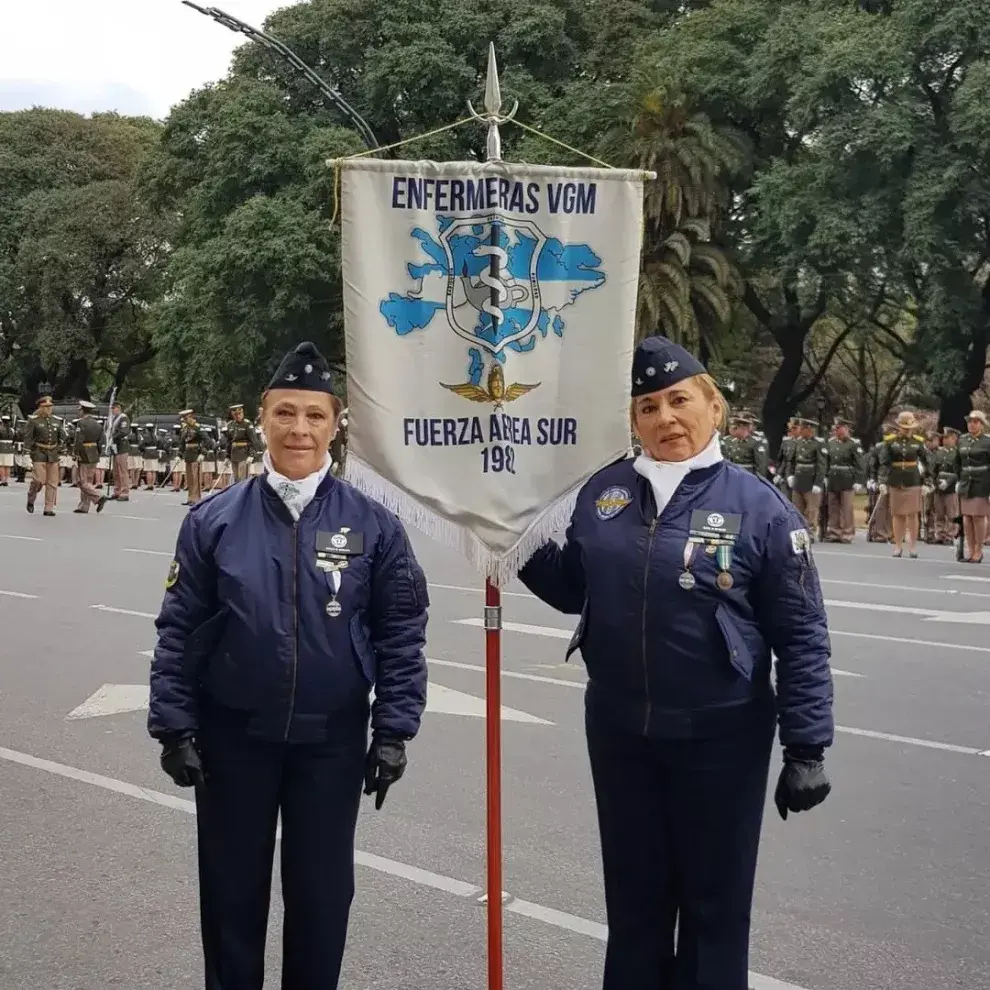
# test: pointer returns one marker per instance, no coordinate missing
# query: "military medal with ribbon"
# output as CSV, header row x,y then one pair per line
x,y
687,579
334,607
724,558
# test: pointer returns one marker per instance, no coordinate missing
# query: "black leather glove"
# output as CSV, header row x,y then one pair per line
x,y
803,783
384,765
180,760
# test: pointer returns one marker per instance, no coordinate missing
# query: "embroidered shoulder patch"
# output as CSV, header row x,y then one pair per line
x,y
173,574
800,541
612,501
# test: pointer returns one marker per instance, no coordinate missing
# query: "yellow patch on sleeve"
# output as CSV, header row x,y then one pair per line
x,y
173,574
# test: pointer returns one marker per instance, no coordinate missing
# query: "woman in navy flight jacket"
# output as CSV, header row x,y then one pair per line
x,y
687,572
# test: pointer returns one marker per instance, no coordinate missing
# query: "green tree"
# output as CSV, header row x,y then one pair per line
x,y
869,193
82,254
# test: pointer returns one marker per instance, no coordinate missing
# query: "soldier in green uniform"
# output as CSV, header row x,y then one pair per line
x,y
87,441
973,468
806,469
120,453
148,446
6,450
742,449
42,437
878,519
928,491
903,466
242,442
946,477
194,445
846,476
784,455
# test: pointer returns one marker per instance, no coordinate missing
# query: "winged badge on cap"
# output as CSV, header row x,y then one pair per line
x,y
495,392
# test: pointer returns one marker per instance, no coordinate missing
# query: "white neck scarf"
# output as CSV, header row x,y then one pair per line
x,y
665,476
295,494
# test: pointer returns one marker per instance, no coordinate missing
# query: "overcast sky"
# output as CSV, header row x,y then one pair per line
x,y
133,56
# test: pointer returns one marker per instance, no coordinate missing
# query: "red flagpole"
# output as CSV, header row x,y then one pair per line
x,y
493,755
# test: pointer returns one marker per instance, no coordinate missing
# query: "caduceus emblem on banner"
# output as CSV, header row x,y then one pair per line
x,y
489,315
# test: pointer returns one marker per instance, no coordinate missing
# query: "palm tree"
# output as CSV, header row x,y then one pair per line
x,y
688,285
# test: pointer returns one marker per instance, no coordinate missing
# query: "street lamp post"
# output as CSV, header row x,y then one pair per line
x,y
286,53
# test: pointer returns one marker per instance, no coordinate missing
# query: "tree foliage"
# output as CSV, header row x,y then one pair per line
x,y
81,255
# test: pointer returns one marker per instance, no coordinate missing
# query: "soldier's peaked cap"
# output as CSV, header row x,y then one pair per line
x,y
45,400
659,363
240,405
304,368
83,404
186,412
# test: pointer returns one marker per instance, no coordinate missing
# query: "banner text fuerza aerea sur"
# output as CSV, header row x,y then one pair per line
x,y
498,436
492,193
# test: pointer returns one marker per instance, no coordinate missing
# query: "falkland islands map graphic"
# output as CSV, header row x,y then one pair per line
x,y
500,284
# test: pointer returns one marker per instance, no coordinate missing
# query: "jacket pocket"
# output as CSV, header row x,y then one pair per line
x,y
202,643
580,634
362,649
739,654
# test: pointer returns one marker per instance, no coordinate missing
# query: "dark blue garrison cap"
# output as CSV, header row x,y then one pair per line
x,y
304,368
659,363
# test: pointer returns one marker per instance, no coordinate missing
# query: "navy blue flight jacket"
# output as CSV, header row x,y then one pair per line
x,y
682,662
247,622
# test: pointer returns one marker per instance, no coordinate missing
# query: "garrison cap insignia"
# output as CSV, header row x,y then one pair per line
x,y
612,501
173,574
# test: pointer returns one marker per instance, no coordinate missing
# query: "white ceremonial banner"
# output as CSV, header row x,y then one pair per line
x,y
489,319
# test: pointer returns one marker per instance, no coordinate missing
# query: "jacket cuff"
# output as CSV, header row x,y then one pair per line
x,y
804,753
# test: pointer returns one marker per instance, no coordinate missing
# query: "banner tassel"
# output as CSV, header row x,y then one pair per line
x,y
499,568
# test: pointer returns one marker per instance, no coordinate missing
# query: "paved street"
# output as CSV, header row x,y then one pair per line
x,y
886,886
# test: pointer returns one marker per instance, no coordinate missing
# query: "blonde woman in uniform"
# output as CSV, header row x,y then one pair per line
x,y
903,466
973,468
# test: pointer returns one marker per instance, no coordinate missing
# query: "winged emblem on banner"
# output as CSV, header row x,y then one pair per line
x,y
495,391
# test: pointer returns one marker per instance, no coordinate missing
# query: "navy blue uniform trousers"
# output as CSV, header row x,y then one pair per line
x,y
680,824
317,789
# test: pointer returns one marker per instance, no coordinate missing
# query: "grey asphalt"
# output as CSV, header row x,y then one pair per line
x,y
886,886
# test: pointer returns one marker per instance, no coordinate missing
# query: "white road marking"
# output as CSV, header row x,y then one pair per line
x,y
921,613
16,594
530,630
910,642
138,518
116,699
901,561
426,878
154,553
538,678
124,611
520,627
912,741
908,587
963,577
926,614
29,539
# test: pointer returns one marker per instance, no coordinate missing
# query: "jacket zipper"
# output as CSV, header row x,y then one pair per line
x,y
295,626
646,669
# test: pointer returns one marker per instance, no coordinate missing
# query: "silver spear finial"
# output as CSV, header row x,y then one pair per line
x,y
493,116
